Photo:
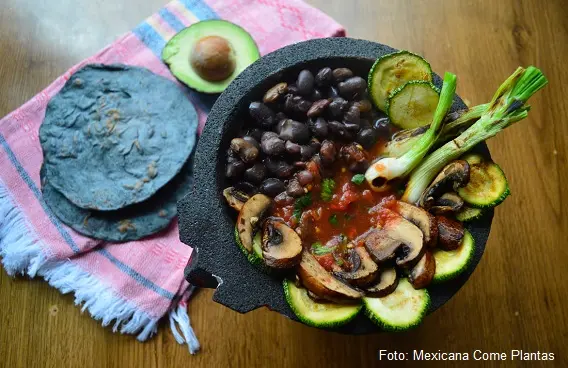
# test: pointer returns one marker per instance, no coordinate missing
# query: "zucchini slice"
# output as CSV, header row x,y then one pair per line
x,y
487,186
450,264
469,214
413,104
473,158
393,70
401,310
318,314
255,257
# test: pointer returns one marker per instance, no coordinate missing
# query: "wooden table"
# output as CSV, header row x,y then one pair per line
x,y
515,299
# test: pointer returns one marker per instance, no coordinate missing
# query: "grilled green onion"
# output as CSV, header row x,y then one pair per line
x,y
386,169
506,107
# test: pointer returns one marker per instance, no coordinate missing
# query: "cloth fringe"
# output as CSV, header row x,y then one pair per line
x,y
22,253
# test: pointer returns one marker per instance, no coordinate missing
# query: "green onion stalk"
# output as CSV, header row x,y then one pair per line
x,y
456,122
507,107
388,168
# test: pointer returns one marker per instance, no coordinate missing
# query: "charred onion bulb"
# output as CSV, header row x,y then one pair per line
x,y
386,169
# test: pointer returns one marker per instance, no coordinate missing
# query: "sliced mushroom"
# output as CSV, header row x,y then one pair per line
x,y
448,203
281,246
453,176
250,216
422,274
363,272
450,233
320,282
306,226
398,239
387,283
421,218
235,198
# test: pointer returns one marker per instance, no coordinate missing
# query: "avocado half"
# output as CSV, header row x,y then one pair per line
x,y
179,53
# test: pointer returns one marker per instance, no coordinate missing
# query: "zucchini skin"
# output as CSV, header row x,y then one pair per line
x,y
438,279
493,203
388,326
252,257
372,91
330,324
474,214
397,90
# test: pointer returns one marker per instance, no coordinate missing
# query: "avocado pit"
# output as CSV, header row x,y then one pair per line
x,y
213,58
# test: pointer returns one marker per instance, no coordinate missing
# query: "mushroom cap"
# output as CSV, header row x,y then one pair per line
x,y
364,270
386,283
450,233
281,245
423,272
397,239
453,176
235,198
250,217
421,218
320,282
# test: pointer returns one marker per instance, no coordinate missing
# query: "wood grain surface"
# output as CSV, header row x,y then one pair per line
x,y
516,299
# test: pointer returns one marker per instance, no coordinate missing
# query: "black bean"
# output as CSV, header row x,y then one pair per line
x,y
316,95
353,115
353,87
274,93
364,124
351,126
278,168
293,148
255,133
296,104
319,127
293,89
315,143
324,77
262,114
305,177
295,131
283,199
246,151
255,173
246,187
305,82
307,152
327,152
363,105
332,92
337,107
234,169
299,165
337,128
278,126
318,108
272,187
294,188
367,138
271,144
341,74
252,141
280,116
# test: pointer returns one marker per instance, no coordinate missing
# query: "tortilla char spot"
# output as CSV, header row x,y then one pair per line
x,y
126,225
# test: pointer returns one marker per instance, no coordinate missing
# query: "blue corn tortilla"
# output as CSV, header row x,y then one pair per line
x,y
115,134
130,223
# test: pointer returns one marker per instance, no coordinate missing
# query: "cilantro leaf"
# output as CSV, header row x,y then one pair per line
x,y
327,188
300,204
333,220
358,179
319,250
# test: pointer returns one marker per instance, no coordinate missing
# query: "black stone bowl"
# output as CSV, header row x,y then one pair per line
x,y
207,222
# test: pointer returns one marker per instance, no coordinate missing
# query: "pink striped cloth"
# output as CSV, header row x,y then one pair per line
x,y
129,285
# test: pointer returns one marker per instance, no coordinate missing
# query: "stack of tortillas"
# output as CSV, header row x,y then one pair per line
x,y
117,142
